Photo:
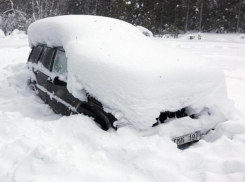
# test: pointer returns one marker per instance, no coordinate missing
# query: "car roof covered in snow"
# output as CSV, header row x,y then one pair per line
x,y
56,31
132,75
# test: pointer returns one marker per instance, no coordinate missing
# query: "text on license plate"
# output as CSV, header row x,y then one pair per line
x,y
187,138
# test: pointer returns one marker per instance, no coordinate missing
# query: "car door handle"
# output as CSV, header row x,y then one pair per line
x,y
56,81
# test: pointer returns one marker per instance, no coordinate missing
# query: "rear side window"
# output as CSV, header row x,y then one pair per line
x,y
35,54
60,63
48,57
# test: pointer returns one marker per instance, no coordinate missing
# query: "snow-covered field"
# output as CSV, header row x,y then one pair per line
x,y
38,146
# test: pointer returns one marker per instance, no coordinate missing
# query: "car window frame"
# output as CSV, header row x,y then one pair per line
x,y
38,57
50,59
52,65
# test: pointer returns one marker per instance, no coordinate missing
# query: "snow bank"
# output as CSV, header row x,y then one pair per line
x,y
241,38
145,31
215,37
17,34
2,35
131,75
74,149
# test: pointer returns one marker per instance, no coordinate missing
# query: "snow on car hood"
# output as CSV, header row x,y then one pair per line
x,y
129,73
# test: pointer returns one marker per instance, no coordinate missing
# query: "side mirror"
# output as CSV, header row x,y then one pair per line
x,y
59,82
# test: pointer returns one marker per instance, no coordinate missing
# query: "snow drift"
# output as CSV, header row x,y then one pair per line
x,y
130,74
2,35
145,31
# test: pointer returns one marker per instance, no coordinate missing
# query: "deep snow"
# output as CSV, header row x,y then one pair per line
x,y
36,145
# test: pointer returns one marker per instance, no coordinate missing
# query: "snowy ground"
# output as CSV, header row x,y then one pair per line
x,y
38,146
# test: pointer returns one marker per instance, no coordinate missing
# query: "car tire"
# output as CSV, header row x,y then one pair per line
x,y
102,120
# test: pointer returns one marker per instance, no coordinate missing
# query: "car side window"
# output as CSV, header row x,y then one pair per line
x,y
35,54
48,57
60,63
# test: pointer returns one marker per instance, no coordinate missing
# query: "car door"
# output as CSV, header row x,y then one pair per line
x,y
36,57
61,100
43,72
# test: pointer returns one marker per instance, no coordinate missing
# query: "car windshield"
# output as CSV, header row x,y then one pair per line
x,y
60,63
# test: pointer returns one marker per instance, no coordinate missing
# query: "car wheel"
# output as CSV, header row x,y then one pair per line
x,y
105,120
102,120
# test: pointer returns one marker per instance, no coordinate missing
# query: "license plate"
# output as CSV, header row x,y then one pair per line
x,y
187,138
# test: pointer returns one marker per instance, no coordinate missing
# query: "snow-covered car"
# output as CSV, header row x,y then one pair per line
x,y
107,69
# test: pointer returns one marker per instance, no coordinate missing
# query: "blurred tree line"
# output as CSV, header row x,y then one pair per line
x,y
160,16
